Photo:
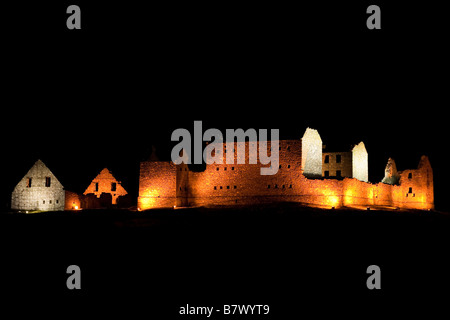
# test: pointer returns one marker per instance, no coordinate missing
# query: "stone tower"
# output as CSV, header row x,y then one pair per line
x,y
38,190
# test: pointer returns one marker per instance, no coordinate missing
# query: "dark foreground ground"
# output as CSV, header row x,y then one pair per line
x,y
301,262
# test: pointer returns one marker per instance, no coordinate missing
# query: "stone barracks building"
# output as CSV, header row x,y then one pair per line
x,y
38,190
306,175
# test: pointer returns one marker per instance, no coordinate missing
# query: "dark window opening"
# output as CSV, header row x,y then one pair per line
x,y
290,186
29,182
228,187
410,190
48,181
232,168
217,168
268,186
276,186
113,186
215,187
225,169
338,158
235,187
327,159
96,186
289,166
220,187
338,173
410,175
327,173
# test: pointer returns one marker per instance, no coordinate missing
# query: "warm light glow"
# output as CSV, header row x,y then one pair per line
x,y
76,207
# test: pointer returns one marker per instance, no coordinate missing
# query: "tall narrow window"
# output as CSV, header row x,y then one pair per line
x,y
113,186
96,186
48,181
338,158
327,173
338,173
410,175
327,159
29,180
410,190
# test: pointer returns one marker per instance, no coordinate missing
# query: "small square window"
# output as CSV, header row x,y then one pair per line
x,y
338,158
228,187
235,187
327,173
217,169
289,166
225,169
268,186
290,186
232,168
338,173
215,187
221,188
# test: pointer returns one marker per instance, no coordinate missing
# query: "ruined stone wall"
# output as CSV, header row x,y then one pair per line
x,y
311,153
360,162
333,166
357,193
43,192
103,182
163,184
415,189
227,184
72,201
157,185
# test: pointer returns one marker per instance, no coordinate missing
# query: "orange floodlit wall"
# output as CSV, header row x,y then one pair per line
x,y
72,201
105,182
164,184
157,185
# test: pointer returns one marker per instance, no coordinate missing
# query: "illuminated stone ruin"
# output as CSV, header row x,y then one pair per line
x,y
39,190
105,183
301,178
347,164
360,162
311,154
390,173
